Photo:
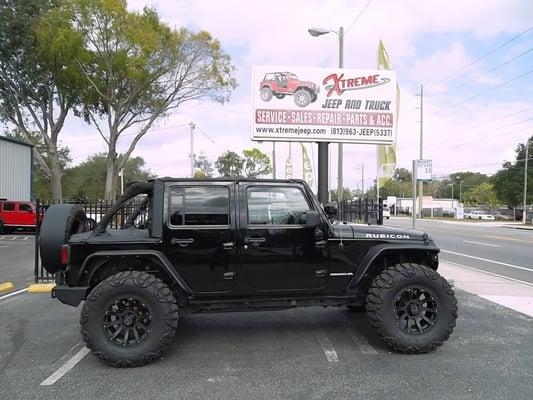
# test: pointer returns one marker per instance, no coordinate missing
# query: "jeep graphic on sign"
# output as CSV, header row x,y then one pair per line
x,y
281,84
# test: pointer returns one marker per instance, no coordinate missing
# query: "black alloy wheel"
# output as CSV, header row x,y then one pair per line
x,y
127,321
417,310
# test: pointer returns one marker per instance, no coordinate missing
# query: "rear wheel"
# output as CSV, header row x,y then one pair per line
x,y
412,308
266,94
129,319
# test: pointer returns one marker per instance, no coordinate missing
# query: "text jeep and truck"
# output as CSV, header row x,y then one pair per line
x,y
237,245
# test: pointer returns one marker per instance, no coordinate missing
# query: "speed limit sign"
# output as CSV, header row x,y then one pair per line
x,y
423,169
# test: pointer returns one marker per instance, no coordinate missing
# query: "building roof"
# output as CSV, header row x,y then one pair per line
x,y
6,139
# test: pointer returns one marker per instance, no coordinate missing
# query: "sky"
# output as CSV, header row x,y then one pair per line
x,y
477,77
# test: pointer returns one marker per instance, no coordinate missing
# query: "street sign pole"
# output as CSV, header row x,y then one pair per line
x,y
414,193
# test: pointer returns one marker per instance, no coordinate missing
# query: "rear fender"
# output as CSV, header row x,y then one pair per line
x,y
97,260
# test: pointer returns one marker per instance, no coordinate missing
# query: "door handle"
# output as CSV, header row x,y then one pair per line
x,y
228,245
254,241
228,276
320,244
182,242
321,273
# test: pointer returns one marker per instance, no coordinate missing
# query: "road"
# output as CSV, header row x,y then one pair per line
x,y
491,247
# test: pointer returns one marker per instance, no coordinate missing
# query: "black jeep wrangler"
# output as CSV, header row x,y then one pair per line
x,y
237,245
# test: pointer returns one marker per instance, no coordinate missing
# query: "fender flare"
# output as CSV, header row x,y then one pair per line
x,y
376,252
105,256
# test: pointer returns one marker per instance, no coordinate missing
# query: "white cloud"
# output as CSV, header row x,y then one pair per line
x,y
276,33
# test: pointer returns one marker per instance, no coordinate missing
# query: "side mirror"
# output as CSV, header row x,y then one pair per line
x,y
331,209
312,219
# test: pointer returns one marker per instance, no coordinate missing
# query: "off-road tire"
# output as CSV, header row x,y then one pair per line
x,y
382,299
60,222
266,94
2,228
150,290
302,97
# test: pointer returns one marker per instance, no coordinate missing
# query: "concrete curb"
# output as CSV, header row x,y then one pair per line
x,y
40,287
6,286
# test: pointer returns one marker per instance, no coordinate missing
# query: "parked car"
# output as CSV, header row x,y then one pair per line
x,y
479,215
386,212
17,215
238,245
281,84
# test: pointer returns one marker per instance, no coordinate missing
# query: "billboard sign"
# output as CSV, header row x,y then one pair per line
x,y
323,105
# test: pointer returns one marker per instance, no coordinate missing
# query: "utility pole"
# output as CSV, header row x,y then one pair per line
x,y
192,126
274,160
362,179
421,184
340,156
524,213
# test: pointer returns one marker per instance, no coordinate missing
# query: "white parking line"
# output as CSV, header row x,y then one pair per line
x,y
5,296
358,339
66,367
486,259
325,343
482,244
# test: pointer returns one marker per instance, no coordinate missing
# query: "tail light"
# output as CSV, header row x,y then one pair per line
x,y
64,254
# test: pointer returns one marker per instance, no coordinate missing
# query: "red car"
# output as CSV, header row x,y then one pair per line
x,y
281,84
16,215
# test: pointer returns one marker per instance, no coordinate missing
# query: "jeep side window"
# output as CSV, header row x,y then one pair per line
x,y
199,205
9,207
276,205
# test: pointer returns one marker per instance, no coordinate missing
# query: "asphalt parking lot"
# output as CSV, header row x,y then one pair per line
x,y
310,353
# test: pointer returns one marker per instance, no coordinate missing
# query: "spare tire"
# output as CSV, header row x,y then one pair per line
x,y
60,222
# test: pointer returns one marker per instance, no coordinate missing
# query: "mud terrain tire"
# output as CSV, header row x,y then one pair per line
x,y
132,301
412,308
60,222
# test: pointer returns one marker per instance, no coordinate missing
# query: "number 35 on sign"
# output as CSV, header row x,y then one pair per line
x,y
423,169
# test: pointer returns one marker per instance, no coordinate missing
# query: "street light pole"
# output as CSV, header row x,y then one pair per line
x,y
323,155
460,192
524,213
340,149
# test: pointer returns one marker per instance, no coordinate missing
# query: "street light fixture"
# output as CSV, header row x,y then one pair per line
x,y
323,185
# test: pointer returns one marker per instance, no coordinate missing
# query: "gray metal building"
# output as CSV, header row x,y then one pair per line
x,y
16,169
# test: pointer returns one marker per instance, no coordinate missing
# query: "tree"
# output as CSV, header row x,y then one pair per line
x,y
509,181
139,70
482,194
256,163
402,175
85,182
42,182
346,194
203,167
39,80
230,165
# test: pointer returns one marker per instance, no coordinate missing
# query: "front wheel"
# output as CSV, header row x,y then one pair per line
x,y
302,98
266,94
412,308
129,319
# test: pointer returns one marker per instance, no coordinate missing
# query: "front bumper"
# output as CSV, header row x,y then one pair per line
x,y
72,296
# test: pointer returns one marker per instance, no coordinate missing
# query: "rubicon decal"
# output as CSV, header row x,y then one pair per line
x,y
338,84
386,236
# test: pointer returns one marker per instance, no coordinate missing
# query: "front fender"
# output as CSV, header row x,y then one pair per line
x,y
400,250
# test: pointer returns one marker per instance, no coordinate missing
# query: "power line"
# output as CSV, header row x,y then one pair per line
x,y
489,71
479,139
482,57
205,134
486,91
359,15
489,130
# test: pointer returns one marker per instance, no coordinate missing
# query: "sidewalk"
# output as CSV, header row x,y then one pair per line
x,y
513,294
